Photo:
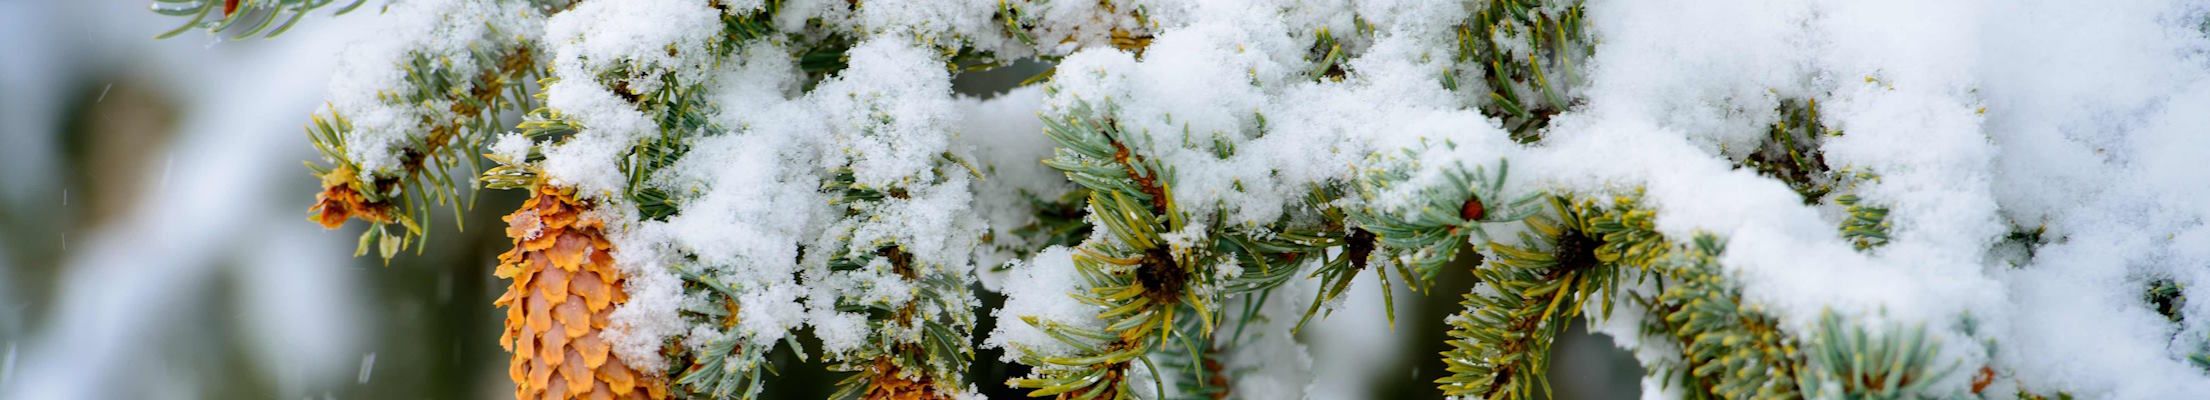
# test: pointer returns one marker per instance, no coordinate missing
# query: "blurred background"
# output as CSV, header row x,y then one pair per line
x,y
153,241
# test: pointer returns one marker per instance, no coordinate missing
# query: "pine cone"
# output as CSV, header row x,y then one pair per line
x,y
886,384
339,202
554,315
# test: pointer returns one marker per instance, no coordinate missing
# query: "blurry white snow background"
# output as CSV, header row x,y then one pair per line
x,y
210,254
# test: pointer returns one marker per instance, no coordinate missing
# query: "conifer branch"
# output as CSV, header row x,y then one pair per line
x,y
1849,363
728,366
1791,152
442,140
918,348
1500,346
250,16
1419,241
1527,52
1867,225
1141,281
1735,350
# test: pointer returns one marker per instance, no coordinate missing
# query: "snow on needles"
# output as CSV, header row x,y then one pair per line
x,y
1970,123
1906,91
635,46
375,91
1041,291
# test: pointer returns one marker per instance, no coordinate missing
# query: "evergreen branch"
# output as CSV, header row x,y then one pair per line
x,y
405,193
1143,284
1092,155
1268,261
1195,361
1791,152
726,367
1867,225
1848,363
1327,57
2166,297
1428,233
1019,20
1500,343
1419,241
1736,350
250,16
917,346
1521,93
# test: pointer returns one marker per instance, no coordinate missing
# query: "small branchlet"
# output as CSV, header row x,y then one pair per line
x,y
920,347
1416,241
1791,151
1527,52
1020,21
1729,349
251,17
1327,57
1846,362
1143,283
440,142
728,366
1867,225
1500,344
1195,360
2165,296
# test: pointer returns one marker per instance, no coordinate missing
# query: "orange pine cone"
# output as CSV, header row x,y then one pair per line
x,y
339,202
564,288
885,384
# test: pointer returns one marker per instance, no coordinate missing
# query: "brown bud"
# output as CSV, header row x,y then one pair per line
x,y
1472,211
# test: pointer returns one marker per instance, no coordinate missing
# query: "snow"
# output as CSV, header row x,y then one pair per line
x,y
512,146
890,119
2102,157
368,366
1042,290
935,20
749,199
889,110
635,45
1414,17
1389,114
646,39
636,328
1711,69
934,224
751,209
1151,102
591,161
1061,27
1003,134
